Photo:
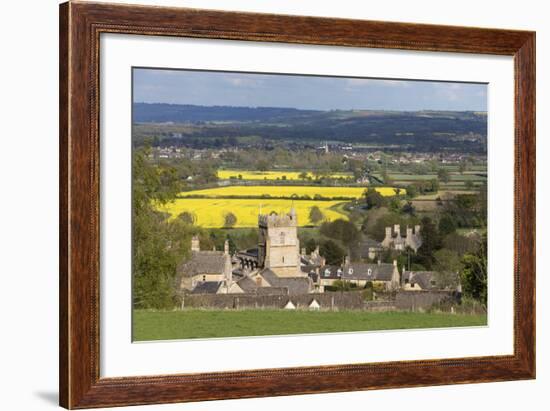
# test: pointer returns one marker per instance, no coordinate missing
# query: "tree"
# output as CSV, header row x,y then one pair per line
x,y
229,220
303,175
443,175
434,185
311,245
187,217
462,167
394,204
341,285
408,208
397,191
447,224
412,191
341,230
461,244
332,252
447,265
374,199
316,215
262,165
474,273
158,245
430,243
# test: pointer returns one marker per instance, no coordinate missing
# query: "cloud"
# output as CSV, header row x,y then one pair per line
x,y
364,82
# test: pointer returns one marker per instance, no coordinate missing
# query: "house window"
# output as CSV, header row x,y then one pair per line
x,y
406,281
369,272
432,282
282,238
283,258
350,271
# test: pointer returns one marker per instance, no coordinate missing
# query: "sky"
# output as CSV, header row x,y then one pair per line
x,y
209,88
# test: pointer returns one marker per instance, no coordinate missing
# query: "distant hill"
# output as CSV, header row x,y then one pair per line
x,y
184,113
204,126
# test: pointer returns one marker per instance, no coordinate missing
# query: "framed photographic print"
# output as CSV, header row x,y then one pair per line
x,y
258,205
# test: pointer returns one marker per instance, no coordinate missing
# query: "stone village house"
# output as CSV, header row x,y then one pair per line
x,y
394,240
360,274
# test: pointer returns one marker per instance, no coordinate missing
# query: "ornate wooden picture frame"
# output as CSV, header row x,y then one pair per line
x,y
81,25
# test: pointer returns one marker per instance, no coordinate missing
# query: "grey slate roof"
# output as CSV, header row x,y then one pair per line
x,y
247,284
251,252
313,260
422,278
295,285
203,262
308,268
207,287
369,272
330,272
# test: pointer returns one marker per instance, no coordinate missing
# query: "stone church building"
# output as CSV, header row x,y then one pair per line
x,y
276,266
278,244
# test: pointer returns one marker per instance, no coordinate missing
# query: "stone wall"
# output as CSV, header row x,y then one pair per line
x,y
337,300
425,299
350,300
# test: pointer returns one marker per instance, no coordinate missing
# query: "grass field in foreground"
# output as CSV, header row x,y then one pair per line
x,y
209,212
169,325
271,175
285,191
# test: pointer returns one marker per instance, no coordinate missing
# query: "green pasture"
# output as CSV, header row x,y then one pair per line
x,y
210,323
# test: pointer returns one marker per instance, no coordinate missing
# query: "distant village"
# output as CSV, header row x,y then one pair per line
x,y
348,150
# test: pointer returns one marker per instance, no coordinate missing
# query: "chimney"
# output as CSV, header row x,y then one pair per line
x,y
379,262
397,230
315,252
417,229
303,251
388,232
226,247
195,243
346,260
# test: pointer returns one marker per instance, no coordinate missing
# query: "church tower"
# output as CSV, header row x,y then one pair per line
x,y
278,244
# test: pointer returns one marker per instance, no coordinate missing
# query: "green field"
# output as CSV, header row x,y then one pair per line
x,y
454,177
194,323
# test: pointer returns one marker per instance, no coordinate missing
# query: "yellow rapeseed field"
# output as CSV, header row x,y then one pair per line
x,y
209,212
285,191
270,175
